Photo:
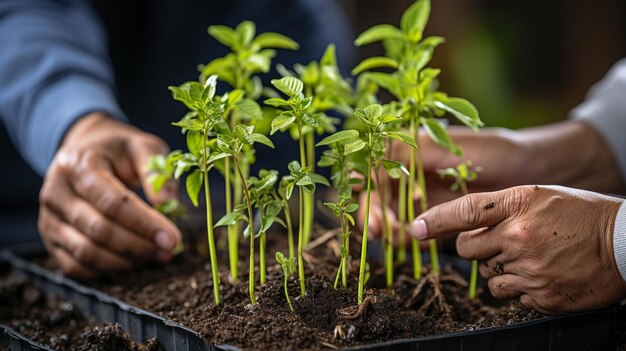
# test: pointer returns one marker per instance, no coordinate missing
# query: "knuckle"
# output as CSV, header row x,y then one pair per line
x,y
518,199
110,202
466,212
98,229
85,253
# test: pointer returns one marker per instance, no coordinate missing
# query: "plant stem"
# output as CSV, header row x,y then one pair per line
x,y
339,270
416,253
292,250
345,242
387,234
251,233
402,219
301,217
286,274
211,236
262,267
365,227
309,199
432,243
233,238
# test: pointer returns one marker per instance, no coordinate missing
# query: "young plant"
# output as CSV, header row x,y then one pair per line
x,y
199,125
231,145
283,187
305,180
375,123
249,56
462,174
289,266
296,114
341,146
323,81
411,83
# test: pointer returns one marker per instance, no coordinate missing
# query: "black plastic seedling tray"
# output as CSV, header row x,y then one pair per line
x,y
593,330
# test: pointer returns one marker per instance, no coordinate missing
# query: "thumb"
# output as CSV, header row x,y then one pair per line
x,y
141,150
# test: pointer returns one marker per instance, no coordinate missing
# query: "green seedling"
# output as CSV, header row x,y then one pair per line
x,y
375,123
296,114
289,266
305,180
462,174
341,145
250,55
412,83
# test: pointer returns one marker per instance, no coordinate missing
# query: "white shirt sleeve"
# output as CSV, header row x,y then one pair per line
x,y
605,110
619,240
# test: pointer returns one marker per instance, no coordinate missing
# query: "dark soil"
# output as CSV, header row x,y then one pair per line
x,y
324,318
56,323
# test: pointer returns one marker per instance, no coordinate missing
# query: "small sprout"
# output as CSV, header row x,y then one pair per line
x,y
289,266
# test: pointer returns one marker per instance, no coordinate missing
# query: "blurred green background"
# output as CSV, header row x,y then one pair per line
x,y
522,63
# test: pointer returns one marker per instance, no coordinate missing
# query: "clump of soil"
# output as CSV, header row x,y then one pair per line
x,y
57,323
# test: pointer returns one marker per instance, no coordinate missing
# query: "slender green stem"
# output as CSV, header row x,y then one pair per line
x,y
262,267
345,242
365,228
210,234
339,270
432,243
286,280
309,199
387,234
233,238
301,244
402,219
251,233
301,217
415,248
292,250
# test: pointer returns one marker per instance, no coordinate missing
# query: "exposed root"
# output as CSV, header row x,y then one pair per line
x,y
437,299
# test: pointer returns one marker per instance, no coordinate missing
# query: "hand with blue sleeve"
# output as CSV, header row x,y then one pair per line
x,y
57,101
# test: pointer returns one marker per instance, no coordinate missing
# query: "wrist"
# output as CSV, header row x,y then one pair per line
x,y
572,154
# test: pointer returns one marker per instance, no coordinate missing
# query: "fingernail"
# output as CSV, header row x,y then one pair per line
x,y
164,241
420,230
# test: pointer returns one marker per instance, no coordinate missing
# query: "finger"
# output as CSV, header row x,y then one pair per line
x,y
479,244
109,196
82,249
70,266
467,213
94,225
141,150
505,286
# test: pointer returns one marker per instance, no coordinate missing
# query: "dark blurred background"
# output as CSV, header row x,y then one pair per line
x,y
522,63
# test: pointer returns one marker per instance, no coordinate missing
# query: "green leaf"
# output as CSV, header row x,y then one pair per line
x,y
223,34
373,111
351,207
386,81
275,40
291,86
261,139
276,102
403,137
235,96
190,124
329,58
249,109
305,180
389,118
189,93
378,33
245,32
415,18
350,218
194,142
437,132
289,190
374,62
266,223
157,181
395,168
309,119
216,156
294,166
230,219
193,185
281,121
281,259
319,179
354,146
339,136
463,110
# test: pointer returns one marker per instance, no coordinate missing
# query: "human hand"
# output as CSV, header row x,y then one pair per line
x,y
551,246
568,153
89,219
